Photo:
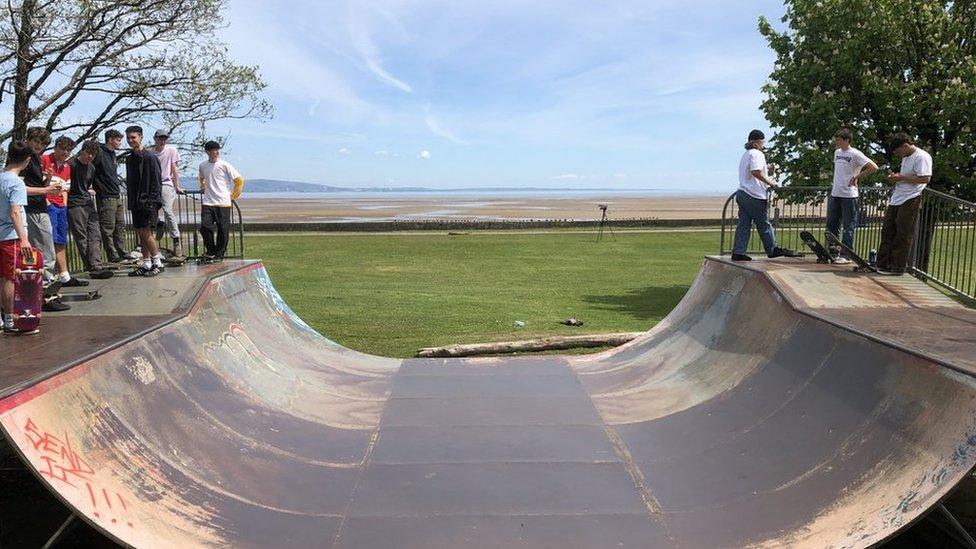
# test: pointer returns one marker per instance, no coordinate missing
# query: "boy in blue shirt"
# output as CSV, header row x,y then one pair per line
x,y
13,225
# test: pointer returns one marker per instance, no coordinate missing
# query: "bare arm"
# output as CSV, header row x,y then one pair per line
x,y
758,174
910,179
864,171
25,247
174,172
41,191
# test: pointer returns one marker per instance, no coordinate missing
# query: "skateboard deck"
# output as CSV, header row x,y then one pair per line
x,y
28,292
862,265
823,256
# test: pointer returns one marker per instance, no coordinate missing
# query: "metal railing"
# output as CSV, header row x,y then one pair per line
x,y
187,211
944,248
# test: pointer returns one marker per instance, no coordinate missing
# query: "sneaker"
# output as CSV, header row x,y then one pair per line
x,y
74,283
54,306
205,259
156,270
139,271
741,257
841,260
783,252
101,273
14,331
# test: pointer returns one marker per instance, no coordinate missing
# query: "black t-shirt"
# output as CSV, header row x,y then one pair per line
x,y
106,177
33,176
81,181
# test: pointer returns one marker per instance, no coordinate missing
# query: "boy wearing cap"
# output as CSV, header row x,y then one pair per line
x,y
753,202
13,226
901,218
217,177
144,187
850,165
169,167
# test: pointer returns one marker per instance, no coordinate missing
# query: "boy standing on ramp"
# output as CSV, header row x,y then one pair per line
x,y
221,185
144,186
13,225
850,165
901,218
753,201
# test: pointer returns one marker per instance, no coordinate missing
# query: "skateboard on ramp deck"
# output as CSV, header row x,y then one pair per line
x,y
823,256
860,264
28,292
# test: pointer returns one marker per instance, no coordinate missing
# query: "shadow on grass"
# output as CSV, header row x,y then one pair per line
x,y
648,303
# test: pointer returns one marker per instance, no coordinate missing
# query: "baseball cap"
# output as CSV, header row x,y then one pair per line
x,y
161,133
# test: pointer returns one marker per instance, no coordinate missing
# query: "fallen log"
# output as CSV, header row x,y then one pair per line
x,y
529,345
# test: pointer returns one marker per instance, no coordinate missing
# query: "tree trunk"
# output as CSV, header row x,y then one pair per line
x,y
541,344
22,114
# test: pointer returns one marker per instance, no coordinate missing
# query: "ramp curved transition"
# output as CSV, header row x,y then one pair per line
x,y
741,420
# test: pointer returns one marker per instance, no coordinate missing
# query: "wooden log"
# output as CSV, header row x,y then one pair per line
x,y
529,345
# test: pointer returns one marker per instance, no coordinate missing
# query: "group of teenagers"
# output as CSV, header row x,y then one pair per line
x,y
44,196
850,165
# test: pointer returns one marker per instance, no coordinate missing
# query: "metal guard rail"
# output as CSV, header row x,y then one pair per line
x,y
944,247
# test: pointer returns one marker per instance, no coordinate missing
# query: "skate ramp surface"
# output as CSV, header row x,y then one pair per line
x,y
763,412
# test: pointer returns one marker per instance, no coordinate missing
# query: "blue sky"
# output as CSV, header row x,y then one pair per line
x,y
436,93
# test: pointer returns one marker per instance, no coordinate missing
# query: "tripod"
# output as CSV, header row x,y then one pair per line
x,y
604,222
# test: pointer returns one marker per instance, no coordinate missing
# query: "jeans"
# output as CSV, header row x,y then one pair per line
x,y
169,213
752,210
841,208
111,219
83,221
39,234
215,219
897,235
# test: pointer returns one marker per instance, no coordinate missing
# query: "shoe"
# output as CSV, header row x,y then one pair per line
x,y
14,331
841,260
139,271
54,306
101,273
74,283
205,259
741,257
783,252
156,270
177,249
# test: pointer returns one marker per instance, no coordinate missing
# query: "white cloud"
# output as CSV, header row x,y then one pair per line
x,y
344,151
437,128
361,38
424,155
382,153
566,176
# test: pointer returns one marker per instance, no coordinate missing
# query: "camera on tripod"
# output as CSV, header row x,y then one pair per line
x,y
604,222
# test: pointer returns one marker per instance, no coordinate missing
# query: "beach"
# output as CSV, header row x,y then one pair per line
x,y
358,207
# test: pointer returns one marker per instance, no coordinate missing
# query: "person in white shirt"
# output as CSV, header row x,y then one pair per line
x,y
850,165
753,201
169,167
220,184
901,218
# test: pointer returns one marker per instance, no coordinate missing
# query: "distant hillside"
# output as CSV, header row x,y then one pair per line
x,y
276,186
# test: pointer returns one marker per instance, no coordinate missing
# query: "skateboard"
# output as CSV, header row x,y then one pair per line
x,y
861,264
823,256
28,292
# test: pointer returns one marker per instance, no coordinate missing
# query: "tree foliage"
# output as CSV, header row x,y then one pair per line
x,y
876,66
80,66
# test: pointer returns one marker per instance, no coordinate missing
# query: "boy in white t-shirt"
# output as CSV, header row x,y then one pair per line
x,y
221,185
850,165
753,201
901,218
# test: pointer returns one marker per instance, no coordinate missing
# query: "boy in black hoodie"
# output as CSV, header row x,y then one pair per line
x,y
144,187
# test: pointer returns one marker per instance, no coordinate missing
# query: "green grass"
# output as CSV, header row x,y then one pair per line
x,y
391,294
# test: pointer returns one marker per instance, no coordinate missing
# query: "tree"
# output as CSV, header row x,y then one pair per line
x,y
876,66
81,66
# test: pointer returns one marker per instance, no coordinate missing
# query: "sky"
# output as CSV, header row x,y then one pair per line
x,y
644,94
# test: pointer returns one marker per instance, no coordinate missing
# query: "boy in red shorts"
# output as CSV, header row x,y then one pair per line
x,y
13,225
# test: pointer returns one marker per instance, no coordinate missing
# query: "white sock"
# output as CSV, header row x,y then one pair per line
x,y
65,276
146,263
8,320
157,260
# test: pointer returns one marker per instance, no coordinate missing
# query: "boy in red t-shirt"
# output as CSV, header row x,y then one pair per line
x,y
56,165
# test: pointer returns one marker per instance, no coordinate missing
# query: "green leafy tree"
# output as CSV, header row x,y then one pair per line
x,y
876,66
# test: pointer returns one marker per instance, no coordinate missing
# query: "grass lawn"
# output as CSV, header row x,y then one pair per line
x,y
391,294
